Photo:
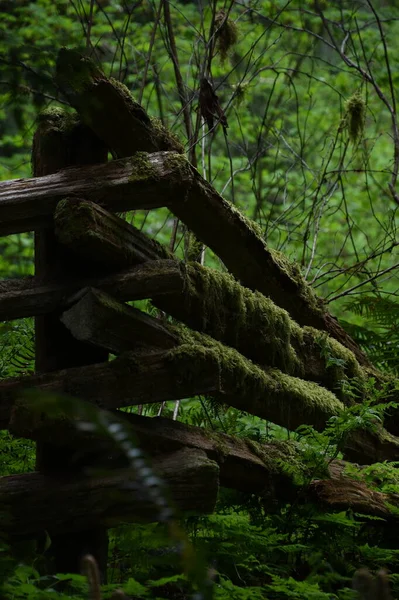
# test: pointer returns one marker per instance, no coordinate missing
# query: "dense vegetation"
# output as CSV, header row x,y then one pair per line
x,y
311,153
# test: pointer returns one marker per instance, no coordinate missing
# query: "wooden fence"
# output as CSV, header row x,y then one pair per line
x,y
256,339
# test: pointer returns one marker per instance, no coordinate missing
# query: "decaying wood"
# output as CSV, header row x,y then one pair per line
x,y
168,179
213,220
102,238
98,319
28,297
68,504
211,302
120,185
126,381
127,127
62,141
244,465
192,369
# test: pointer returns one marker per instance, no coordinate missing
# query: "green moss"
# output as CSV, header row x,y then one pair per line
x,y
340,363
165,139
70,230
57,120
269,393
355,115
234,314
123,90
142,168
226,34
178,166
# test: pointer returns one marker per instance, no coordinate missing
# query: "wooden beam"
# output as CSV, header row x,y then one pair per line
x,y
102,238
127,127
244,465
76,503
96,318
60,141
142,181
234,238
28,297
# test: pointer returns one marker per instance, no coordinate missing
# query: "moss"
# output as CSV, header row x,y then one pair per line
x,y
341,364
355,114
165,139
232,313
75,72
226,34
122,89
68,229
57,120
193,248
293,271
269,393
142,168
178,166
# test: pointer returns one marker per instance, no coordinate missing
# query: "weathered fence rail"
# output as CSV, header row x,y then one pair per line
x,y
257,344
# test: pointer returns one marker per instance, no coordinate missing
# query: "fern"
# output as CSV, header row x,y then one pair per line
x,y
378,335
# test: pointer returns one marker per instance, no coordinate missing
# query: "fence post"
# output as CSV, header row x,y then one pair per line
x,y
61,140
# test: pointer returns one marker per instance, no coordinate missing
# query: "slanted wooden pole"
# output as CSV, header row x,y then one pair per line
x,y
60,141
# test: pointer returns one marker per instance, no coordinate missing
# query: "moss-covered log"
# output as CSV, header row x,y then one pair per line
x,y
98,319
236,240
142,181
107,106
191,369
28,297
244,465
212,301
69,504
182,372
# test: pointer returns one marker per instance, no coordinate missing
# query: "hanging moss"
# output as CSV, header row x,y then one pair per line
x,y
226,34
355,115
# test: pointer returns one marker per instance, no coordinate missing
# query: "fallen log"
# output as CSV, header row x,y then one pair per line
x,y
68,504
245,465
191,369
210,303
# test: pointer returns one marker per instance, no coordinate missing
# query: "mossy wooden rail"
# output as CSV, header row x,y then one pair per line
x,y
271,363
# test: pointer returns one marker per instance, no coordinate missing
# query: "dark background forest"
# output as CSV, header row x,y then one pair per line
x,y
305,142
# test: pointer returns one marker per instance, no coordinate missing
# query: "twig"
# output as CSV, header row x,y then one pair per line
x,y
358,285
